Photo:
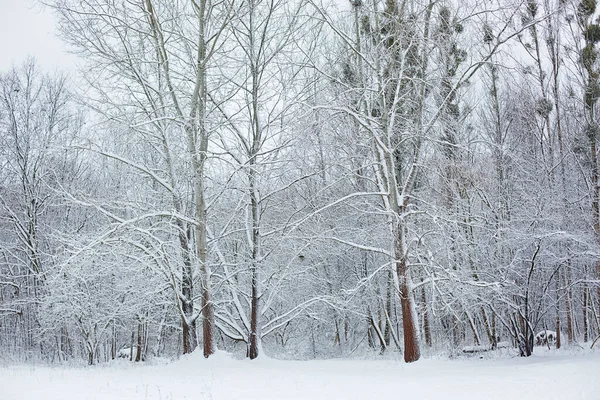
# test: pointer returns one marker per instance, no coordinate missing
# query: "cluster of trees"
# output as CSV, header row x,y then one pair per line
x,y
410,176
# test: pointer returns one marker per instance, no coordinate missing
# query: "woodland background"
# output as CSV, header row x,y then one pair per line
x,y
302,178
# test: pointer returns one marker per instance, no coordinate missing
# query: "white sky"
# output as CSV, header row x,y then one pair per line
x,y
28,29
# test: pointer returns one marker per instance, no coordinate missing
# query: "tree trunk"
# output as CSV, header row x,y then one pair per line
x,y
455,332
496,337
255,339
524,335
491,334
426,328
388,309
557,302
412,350
370,334
568,304
138,353
197,146
113,342
255,320
585,314
131,346
476,337
598,286
90,356
188,321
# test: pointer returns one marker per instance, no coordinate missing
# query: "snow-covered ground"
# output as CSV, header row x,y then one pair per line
x,y
549,376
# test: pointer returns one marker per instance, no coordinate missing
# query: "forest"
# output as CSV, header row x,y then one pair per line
x,y
303,179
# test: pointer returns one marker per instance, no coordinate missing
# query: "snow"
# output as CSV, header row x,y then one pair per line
x,y
477,349
474,349
552,375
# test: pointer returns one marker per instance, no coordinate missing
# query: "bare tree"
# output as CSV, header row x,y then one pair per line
x,y
130,40
34,119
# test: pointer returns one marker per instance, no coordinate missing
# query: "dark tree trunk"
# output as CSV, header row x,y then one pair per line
x,y
568,304
388,309
370,334
488,330
113,342
598,288
585,315
412,351
426,328
255,339
558,336
188,322
254,320
190,340
525,337
138,353
495,336
207,328
131,346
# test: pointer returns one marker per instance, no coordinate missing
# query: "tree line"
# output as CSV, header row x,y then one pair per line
x,y
318,177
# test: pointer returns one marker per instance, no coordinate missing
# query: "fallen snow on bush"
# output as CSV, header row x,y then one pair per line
x,y
549,376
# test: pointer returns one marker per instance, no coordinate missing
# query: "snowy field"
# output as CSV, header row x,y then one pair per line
x,y
546,377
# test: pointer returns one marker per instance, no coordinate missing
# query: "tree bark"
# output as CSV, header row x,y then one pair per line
x,y
557,303
138,353
568,305
188,321
412,350
426,328
585,314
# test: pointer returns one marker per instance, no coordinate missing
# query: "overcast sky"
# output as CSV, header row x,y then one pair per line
x,y
28,29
